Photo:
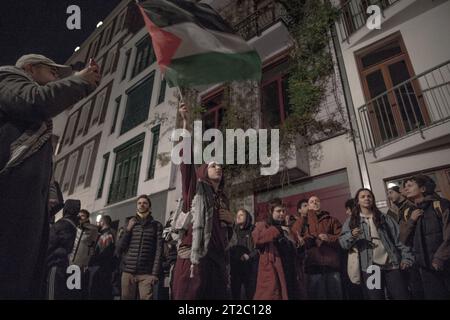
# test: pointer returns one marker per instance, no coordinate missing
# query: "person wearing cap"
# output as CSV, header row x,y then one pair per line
x,y
399,203
31,93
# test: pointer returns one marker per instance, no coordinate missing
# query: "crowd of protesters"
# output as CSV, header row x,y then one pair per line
x,y
202,253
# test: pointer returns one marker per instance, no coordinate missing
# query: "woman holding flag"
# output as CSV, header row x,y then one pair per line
x,y
201,270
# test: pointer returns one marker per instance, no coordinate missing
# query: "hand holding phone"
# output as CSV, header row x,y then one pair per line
x,y
93,64
91,73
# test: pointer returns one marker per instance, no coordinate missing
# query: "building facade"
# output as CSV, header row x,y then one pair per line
x,y
114,145
397,84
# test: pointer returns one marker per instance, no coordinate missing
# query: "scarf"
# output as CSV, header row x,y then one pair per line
x,y
27,144
202,210
380,255
144,215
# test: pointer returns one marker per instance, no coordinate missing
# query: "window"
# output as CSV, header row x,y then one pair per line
x,y
116,112
392,113
120,22
102,181
100,42
354,12
70,128
84,162
127,61
109,61
145,55
126,170
439,175
95,47
138,104
99,102
274,95
70,170
83,118
162,91
101,63
213,116
59,170
113,29
154,151
112,62
106,36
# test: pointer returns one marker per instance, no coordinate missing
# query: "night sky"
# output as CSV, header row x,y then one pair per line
x,y
39,26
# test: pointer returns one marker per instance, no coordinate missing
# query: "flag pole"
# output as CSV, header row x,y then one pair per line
x,y
181,98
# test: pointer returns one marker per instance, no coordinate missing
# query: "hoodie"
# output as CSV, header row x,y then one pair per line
x,y
62,235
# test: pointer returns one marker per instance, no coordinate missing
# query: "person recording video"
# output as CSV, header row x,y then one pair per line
x,y
31,93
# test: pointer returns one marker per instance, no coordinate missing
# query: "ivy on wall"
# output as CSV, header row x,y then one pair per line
x,y
311,78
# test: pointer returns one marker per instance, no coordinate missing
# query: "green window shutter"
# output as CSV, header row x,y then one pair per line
x,y
126,170
145,55
102,181
162,91
154,151
138,104
116,112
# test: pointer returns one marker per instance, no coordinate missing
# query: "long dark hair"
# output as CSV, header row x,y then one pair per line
x,y
355,219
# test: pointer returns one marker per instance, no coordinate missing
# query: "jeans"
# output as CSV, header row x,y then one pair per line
x,y
132,283
391,280
324,286
435,284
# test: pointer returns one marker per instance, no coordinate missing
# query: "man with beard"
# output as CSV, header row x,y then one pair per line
x,y
143,244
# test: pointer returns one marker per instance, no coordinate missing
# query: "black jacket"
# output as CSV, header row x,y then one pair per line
x,y
430,235
242,243
62,236
143,246
103,256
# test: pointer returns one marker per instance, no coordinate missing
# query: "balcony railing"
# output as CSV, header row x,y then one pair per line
x,y
353,14
420,102
260,20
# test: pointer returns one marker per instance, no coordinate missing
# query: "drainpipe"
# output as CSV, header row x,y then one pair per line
x,y
362,163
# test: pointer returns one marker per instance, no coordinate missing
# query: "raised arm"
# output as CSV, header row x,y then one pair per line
x,y
25,100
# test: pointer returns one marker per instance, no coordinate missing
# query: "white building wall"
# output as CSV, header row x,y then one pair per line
x,y
424,28
337,153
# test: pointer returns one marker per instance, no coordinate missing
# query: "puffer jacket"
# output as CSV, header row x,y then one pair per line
x,y
143,246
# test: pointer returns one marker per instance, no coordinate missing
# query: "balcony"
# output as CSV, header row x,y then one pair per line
x,y
353,15
262,19
422,103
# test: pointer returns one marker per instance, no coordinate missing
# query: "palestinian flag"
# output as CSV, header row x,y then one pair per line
x,y
195,46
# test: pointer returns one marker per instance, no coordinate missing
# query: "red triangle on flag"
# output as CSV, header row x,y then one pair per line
x,y
164,43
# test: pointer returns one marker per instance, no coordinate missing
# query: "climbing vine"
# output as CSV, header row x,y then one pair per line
x,y
311,73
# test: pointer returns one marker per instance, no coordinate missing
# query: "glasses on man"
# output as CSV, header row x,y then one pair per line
x,y
53,70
